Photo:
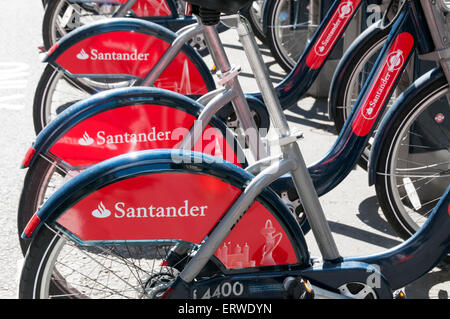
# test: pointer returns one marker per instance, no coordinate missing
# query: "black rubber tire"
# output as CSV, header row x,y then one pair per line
x,y
50,11
30,198
32,265
382,183
259,33
271,37
42,91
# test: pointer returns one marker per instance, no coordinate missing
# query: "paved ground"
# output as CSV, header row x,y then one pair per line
x,y
355,218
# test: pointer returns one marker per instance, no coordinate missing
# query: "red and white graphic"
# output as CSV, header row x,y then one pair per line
x,y
150,8
131,54
239,255
439,118
331,33
101,211
247,246
144,208
86,140
135,128
235,257
82,55
383,83
272,241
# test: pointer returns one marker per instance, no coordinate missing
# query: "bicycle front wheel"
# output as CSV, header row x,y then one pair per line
x,y
413,170
291,24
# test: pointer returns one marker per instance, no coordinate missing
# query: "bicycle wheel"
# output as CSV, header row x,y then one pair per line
x,y
413,169
351,75
61,17
255,17
57,267
290,25
56,92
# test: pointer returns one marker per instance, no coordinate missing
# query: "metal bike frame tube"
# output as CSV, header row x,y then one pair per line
x,y
233,215
171,53
297,83
216,103
239,103
260,72
311,204
125,8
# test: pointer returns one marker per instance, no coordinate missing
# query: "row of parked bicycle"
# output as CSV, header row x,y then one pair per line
x,y
151,178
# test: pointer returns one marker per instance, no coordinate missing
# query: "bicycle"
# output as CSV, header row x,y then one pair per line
x,y
61,16
404,182
326,173
82,217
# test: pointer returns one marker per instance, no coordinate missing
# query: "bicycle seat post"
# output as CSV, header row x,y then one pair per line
x,y
230,78
289,146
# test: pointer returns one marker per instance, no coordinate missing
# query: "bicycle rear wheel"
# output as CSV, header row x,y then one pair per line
x,y
57,267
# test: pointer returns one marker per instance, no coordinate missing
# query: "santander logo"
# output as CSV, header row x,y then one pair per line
x,y
101,211
383,83
102,138
439,118
82,55
345,10
122,210
86,139
96,55
331,33
395,60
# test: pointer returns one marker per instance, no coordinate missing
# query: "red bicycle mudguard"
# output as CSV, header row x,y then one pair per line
x,y
150,8
129,48
147,196
126,120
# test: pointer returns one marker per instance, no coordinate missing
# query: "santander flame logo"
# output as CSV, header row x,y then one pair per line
x,y
86,139
101,211
82,55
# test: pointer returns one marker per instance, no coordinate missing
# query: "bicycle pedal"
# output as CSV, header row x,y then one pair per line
x,y
298,288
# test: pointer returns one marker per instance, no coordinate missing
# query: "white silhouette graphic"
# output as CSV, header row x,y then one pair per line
x,y
86,139
160,8
185,85
346,9
237,257
101,211
82,55
272,242
395,60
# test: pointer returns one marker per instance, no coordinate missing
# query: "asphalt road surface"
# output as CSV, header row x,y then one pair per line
x,y
352,209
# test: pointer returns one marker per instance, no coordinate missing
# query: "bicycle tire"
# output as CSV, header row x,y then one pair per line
x,y
40,279
271,27
396,199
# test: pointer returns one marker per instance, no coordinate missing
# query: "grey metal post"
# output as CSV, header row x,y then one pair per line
x,y
239,103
